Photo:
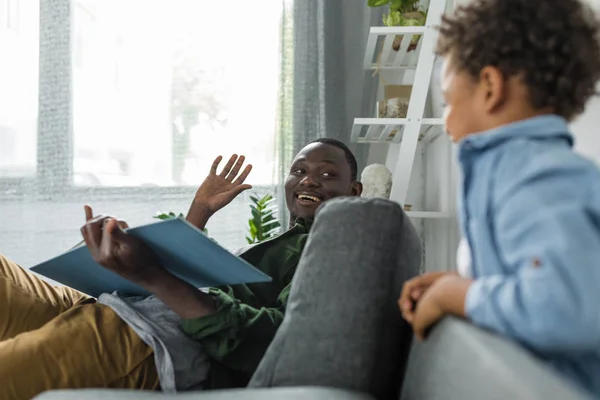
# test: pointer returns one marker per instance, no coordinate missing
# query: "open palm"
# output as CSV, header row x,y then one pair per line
x,y
219,189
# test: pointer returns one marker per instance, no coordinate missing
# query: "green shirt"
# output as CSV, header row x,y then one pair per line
x,y
238,333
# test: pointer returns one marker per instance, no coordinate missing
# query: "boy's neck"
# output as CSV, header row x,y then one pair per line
x,y
510,117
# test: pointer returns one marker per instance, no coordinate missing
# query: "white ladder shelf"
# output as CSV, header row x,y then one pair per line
x,y
414,128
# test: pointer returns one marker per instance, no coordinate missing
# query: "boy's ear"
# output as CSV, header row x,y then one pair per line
x,y
356,189
493,87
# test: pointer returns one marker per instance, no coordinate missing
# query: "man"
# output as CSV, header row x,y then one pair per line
x,y
181,337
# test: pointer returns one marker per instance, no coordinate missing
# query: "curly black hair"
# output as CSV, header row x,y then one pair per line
x,y
552,44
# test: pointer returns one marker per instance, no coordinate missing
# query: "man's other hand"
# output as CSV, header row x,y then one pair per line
x,y
119,252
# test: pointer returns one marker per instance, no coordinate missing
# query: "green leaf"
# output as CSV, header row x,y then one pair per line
x,y
263,223
377,3
167,215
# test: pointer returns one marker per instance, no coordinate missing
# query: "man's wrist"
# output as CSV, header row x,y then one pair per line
x,y
156,280
185,300
199,214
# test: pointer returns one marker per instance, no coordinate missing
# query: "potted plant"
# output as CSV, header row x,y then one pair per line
x,y
263,225
402,13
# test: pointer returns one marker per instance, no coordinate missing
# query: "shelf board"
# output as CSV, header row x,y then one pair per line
x,y
380,54
391,130
428,214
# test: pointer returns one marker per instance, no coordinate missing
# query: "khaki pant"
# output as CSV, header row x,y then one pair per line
x,y
57,338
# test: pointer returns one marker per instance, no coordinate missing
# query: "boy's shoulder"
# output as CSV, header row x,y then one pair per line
x,y
541,162
538,156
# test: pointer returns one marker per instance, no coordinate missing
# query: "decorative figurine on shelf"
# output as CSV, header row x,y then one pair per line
x,y
377,181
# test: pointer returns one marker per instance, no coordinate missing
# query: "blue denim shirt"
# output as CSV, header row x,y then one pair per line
x,y
530,210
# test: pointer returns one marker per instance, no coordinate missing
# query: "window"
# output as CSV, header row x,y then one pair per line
x,y
164,86
19,82
10,14
135,99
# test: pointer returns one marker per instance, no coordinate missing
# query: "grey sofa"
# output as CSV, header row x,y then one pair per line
x,y
458,361
343,338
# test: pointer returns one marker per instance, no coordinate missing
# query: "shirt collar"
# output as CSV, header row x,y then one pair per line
x,y
303,225
542,127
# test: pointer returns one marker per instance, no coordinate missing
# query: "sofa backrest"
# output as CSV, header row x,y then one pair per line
x,y
342,327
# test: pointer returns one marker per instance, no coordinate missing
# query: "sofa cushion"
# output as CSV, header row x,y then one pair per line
x,y
342,327
244,394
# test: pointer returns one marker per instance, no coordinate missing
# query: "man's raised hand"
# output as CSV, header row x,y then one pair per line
x,y
219,189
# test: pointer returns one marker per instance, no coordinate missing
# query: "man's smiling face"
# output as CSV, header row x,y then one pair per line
x,y
319,172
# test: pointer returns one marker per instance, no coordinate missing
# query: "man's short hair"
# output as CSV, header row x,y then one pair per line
x,y
349,155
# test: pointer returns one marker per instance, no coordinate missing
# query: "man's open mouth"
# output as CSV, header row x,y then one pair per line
x,y
308,198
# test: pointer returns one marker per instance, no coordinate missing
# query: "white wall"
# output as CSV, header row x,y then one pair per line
x,y
587,130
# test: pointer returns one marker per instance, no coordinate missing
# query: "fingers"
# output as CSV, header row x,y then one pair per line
x,y
405,302
113,242
106,245
421,326
416,293
88,213
236,168
419,332
411,293
123,224
92,232
241,188
228,166
407,312
243,175
112,234
215,165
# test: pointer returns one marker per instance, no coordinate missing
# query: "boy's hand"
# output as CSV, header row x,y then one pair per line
x,y
445,297
428,312
413,290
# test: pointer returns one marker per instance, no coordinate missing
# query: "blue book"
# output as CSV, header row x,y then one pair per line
x,y
180,247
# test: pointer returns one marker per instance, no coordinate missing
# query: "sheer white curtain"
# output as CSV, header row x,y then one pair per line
x,y
124,104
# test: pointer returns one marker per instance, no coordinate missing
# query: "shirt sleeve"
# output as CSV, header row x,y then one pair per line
x,y
548,235
237,335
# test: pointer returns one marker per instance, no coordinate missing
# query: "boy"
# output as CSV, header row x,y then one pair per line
x,y
515,73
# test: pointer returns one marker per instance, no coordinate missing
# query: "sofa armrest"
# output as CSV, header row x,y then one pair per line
x,y
462,361
309,393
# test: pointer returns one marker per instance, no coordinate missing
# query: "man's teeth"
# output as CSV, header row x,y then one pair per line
x,y
311,198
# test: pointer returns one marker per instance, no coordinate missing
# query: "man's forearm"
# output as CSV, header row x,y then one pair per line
x,y
185,300
198,215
